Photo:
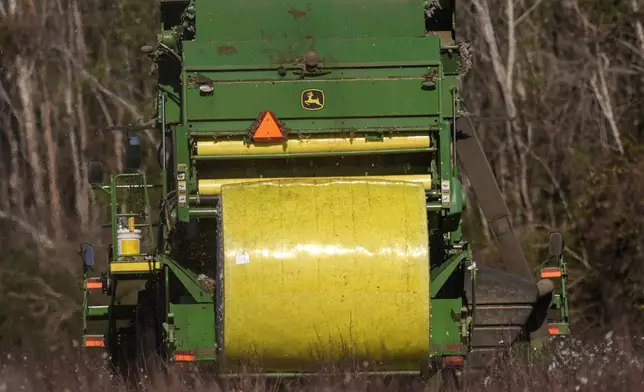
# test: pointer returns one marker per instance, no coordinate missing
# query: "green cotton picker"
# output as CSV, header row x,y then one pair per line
x,y
307,206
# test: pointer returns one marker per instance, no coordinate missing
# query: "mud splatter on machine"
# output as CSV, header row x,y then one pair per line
x,y
310,205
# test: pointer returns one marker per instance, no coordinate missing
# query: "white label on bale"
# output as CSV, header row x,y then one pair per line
x,y
242,258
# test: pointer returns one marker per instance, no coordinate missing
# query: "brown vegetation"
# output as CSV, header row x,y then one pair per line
x,y
607,364
556,89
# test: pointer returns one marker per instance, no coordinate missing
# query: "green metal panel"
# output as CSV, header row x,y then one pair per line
x,y
445,154
173,102
195,329
98,311
238,54
449,82
445,319
387,125
338,73
361,78
283,20
188,279
347,98
182,173
451,62
442,273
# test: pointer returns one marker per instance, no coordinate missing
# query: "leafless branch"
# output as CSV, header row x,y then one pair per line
x,y
37,235
600,88
527,13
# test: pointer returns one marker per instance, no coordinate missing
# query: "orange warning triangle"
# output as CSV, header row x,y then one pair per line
x,y
268,129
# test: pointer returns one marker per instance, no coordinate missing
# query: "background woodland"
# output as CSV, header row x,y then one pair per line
x,y
555,89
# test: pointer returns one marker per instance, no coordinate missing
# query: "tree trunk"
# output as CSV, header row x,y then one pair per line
x,y
24,69
54,187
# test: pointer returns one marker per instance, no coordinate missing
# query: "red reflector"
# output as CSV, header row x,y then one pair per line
x,y
552,272
452,347
453,361
94,283
184,357
268,129
94,341
553,329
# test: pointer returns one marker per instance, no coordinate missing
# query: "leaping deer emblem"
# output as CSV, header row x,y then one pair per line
x,y
312,101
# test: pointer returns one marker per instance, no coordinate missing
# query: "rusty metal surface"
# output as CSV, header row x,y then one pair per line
x,y
495,286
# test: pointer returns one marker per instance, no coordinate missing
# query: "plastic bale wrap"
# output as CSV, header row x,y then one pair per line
x,y
319,270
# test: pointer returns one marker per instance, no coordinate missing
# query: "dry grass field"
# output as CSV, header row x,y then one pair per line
x,y
610,363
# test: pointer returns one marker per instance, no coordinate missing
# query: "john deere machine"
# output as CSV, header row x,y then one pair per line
x,y
309,202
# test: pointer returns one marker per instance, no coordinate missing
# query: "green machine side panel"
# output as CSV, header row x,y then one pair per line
x,y
446,334
360,98
361,78
273,20
195,329
238,55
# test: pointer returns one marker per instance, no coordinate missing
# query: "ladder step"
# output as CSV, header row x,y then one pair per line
x,y
135,267
94,341
119,312
98,312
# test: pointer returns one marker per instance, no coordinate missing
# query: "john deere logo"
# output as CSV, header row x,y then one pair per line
x,y
312,99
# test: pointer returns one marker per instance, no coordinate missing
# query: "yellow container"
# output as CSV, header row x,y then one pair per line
x,y
129,242
315,269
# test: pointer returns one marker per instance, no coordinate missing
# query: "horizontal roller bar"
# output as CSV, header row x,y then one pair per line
x,y
206,129
211,200
213,187
311,154
203,212
327,146
403,373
